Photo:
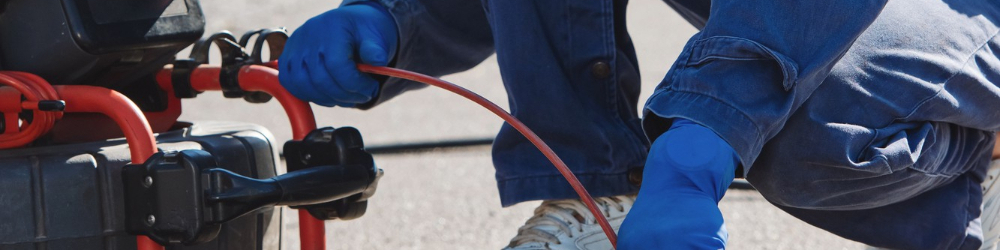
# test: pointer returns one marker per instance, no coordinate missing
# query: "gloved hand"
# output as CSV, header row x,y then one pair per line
x,y
318,62
687,172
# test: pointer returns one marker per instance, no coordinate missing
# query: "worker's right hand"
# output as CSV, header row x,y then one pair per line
x,y
318,62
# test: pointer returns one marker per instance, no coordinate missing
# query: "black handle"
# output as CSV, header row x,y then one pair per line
x,y
231,195
322,184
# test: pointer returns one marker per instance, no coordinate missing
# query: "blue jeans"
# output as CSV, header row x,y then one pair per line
x,y
873,120
874,123
577,86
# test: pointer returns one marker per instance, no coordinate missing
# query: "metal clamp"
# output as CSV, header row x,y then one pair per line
x,y
275,39
234,57
181,75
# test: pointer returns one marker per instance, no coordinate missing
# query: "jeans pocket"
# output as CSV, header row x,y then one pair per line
x,y
740,49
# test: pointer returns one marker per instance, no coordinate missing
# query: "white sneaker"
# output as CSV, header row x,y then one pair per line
x,y
991,207
569,225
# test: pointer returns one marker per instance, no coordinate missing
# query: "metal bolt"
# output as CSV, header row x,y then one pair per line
x,y
150,220
307,156
148,181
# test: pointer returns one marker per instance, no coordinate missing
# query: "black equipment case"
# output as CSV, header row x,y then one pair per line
x,y
117,44
70,196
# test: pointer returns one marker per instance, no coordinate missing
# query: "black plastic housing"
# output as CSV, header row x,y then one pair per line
x,y
230,195
71,196
181,198
333,146
109,43
165,198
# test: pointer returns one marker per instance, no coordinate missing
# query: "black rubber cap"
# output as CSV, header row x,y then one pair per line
x,y
53,105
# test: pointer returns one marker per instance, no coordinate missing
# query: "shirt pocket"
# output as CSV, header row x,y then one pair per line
x,y
726,48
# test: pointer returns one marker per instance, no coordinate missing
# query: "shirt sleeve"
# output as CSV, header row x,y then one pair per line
x,y
754,64
436,38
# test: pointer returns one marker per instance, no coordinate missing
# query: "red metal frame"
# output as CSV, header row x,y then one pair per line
x,y
139,133
134,124
300,115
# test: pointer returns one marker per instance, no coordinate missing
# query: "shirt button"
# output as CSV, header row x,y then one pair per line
x,y
600,70
635,176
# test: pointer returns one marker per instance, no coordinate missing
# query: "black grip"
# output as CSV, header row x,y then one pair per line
x,y
323,184
231,195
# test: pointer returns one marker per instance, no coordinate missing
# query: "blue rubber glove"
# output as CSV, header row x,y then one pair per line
x,y
688,171
318,62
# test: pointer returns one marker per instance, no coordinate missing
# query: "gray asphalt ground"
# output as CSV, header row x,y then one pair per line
x,y
446,198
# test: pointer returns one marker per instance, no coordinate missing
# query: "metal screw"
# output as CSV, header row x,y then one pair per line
x,y
307,156
148,182
150,220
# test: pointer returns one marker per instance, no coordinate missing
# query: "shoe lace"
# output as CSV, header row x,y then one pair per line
x,y
561,216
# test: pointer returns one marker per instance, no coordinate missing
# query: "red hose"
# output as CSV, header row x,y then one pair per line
x,y
560,165
34,89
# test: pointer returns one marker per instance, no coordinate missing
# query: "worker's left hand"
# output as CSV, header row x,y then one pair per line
x,y
687,172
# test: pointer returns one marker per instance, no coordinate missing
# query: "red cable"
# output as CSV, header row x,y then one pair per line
x,y
33,89
560,165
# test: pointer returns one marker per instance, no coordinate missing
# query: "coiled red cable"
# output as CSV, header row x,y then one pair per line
x,y
551,155
34,89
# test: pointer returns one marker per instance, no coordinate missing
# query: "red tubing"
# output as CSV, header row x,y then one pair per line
x,y
34,89
560,165
300,115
